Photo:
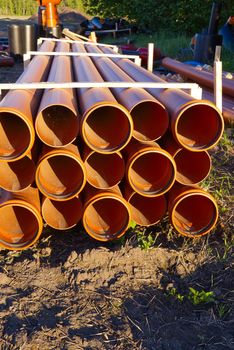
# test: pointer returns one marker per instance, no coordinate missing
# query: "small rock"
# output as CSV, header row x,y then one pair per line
x,y
4,279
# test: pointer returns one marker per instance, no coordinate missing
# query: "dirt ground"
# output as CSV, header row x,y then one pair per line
x,y
70,292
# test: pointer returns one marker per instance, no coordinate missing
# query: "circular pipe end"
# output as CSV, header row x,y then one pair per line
x,y
62,215
192,167
147,211
150,120
20,225
18,175
17,135
107,128
194,214
57,126
151,172
104,170
198,126
106,217
60,176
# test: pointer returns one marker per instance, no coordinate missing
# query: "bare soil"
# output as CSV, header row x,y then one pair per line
x,y
70,292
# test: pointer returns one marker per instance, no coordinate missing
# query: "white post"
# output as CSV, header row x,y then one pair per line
x,y
116,49
196,92
138,61
218,79
26,59
150,57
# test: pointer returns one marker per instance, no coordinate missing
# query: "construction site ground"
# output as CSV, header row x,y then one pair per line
x,y
70,292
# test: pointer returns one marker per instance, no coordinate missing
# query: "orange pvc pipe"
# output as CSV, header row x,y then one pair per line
x,y
228,106
57,123
106,126
106,213
62,215
201,77
19,107
60,173
145,211
197,125
150,170
18,175
193,212
150,118
192,167
103,170
20,221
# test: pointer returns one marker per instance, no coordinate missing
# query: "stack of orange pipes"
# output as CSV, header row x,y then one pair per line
x,y
103,156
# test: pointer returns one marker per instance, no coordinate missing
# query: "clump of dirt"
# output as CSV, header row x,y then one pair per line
x,y
70,292
67,14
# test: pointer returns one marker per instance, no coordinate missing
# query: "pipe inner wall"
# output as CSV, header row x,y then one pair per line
x,y
147,211
16,135
192,167
106,128
151,173
18,175
198,127
62,215
57,125
149,120
106,218
194,215
19,226
60,177
104,170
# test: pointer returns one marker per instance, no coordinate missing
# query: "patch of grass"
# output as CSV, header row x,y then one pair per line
x,y
200,297
176,46
223,310
146,241
173,292
196,297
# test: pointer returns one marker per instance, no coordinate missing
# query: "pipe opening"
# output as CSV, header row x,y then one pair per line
x,y
104,170
199,127
60,177
107,129
15,136
62,215
147,211
106,219
192,167
194,215
151,174
57,126
18,175
19,226
150,121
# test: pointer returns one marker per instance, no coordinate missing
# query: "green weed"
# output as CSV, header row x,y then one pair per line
x,y
173,292
200,297
223,310
146,241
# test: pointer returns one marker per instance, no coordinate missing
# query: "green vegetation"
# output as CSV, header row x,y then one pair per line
x,y
196,297
200,297
19,7
187,16
174,293
146,241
